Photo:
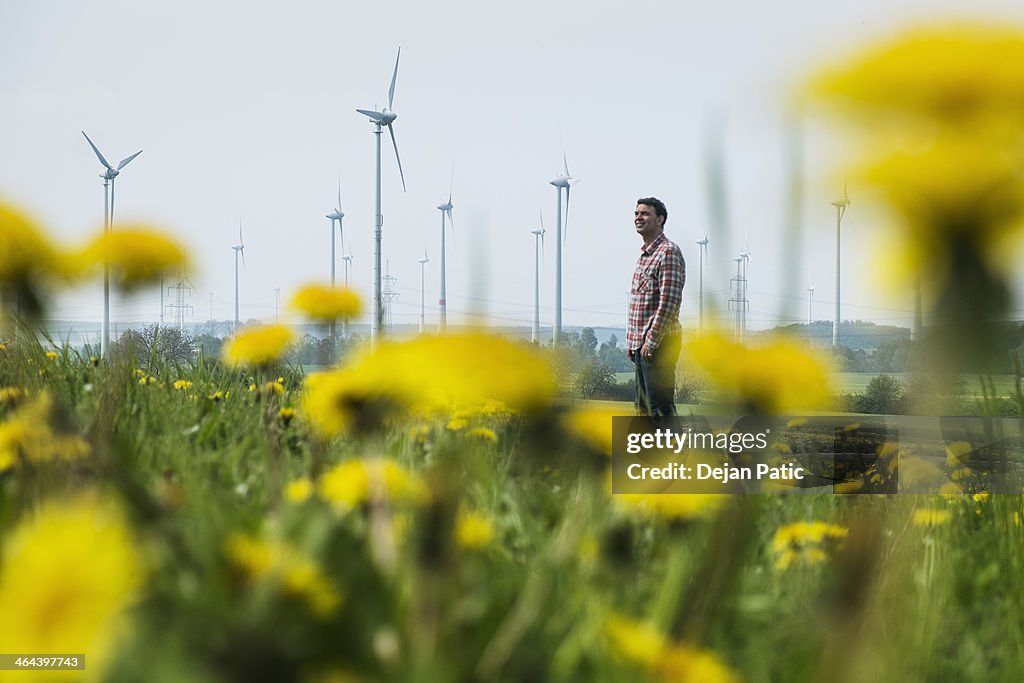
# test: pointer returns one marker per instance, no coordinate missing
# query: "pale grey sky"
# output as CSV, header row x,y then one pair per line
x,y
246,110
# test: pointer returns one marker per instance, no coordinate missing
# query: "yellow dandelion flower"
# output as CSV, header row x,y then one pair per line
x,y
52,355
217,396
483,433
473,530
930,517
286,415
980,497
182,384
147,380
57,598
27,433
428,375
457,424
279,565
298,491
11,396
673,505
958,453
807,543
634,641
641,643
321,302
137,255
260,345
252,388
949,72
273,388
593,426
774,378
354,482
25,251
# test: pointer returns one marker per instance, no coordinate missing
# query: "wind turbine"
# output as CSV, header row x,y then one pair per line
x,y
810,300
335,215
840,205
703,258
538,245
348,262
561,181
446,210
385,117
108,218
239,251
423,283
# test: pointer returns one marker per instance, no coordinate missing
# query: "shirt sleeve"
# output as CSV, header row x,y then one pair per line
x,y
671,278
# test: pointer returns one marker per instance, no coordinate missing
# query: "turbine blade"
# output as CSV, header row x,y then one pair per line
x,y
392,131
124,162
451,185
102,160
565,164
394,77
542,219
375,115
339,194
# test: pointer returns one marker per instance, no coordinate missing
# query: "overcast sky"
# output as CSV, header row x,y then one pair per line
x,y
246,112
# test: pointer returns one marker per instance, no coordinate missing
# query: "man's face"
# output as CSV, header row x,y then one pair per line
x,y
648,223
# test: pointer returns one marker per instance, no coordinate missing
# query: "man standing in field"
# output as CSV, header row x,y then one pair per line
x,y
653,332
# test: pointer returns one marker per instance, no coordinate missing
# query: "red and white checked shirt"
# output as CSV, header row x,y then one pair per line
x,y
656,294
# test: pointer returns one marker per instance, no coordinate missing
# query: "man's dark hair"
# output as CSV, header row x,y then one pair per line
x,y
656,204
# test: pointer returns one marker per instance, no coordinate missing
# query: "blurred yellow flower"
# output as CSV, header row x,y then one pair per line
x,y
354,482
483,433
673,505
25,250
772,378
69,573
806,542
52,355
259,345
286,415
281,565
930,517
137,255
428,375
298,491
11,396
945,73
321,302
182,384
27,433
641,643
594,426
473,530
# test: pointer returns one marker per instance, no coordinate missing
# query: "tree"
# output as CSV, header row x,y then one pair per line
x,y
594,379
883,396
167,344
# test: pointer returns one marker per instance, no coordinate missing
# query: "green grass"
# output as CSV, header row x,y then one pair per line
x,y
892,601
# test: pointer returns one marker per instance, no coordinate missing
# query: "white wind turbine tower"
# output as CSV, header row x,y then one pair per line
x,y
108,218
561,181
810,301
538,245
335,215
840,205
239,251
446,210
423,283
703,258
385,117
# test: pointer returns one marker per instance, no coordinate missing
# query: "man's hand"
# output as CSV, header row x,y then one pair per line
x,y
629,354
646,351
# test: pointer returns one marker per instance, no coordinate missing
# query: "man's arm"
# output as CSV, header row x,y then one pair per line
x,y
672,277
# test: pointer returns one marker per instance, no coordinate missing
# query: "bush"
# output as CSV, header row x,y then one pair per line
x,y
883,396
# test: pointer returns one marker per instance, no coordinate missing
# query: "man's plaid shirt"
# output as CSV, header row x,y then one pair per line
x,y
656,293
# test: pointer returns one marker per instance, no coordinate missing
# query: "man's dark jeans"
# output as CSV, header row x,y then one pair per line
x,y
656,378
